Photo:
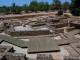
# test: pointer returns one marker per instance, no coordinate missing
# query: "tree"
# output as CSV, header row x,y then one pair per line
x,y
33,6
25,8
75,7
13,8
46,6
56,5
4,9
66,6
43,6
16,9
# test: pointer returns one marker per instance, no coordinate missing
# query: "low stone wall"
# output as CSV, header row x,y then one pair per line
x,y
29,33
59,25
77,26
20,16
15,56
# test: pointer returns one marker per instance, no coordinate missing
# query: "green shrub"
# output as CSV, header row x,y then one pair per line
x,y
75,7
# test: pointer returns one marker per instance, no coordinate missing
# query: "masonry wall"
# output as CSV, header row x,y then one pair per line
x,y
30,33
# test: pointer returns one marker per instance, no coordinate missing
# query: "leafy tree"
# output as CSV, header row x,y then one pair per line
x,y
18,10
4,9
46,6
13,8
43,6
75,7
66,6
38,6
25,8
56,5
33,6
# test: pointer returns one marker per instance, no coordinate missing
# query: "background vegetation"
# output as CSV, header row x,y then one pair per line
x,y
75,7
35,6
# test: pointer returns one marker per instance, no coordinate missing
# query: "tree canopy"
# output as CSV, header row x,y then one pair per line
x,y
35,6
66,5
75,7
56,4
